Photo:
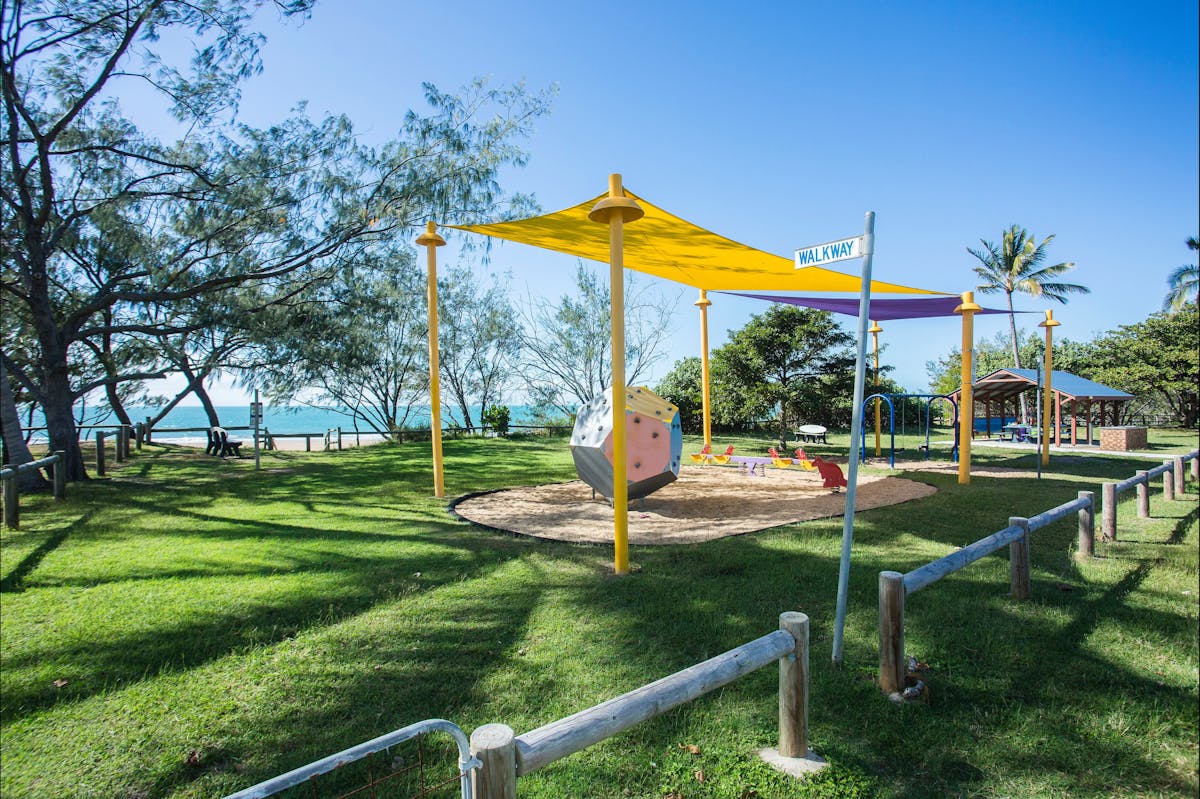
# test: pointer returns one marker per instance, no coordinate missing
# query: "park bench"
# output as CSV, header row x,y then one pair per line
x,y
219,443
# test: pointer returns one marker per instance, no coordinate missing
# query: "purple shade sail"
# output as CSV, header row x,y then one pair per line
x,y
881,310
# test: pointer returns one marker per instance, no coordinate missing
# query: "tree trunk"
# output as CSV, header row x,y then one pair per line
x,y
110,371
16,451
58,399
213,419
1016,350
118,407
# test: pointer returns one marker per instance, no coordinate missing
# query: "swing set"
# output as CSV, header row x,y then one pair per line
x,y
889,399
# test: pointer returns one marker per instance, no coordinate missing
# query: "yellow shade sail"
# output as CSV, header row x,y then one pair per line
x,y
666,246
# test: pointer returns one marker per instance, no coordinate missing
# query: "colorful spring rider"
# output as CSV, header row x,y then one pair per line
x,y
778,462
724,457
802,460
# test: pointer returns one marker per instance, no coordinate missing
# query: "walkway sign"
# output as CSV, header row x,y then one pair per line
x,y
819,254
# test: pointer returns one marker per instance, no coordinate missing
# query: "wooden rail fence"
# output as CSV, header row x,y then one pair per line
x,y
505,756
12,494
1173,476
894,587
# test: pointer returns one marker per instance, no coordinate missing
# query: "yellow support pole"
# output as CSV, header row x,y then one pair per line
x,y
615,210
431,241
966,405
703,304
1049,324
875,331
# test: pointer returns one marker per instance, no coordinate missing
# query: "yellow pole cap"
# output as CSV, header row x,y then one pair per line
x,y
616,203
1050,320
704,301
430,237
875,328
968,303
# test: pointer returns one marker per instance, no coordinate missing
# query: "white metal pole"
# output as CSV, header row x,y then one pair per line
x,y
864,311
257,414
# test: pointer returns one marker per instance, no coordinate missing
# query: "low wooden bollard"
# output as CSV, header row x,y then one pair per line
x,y
147,430
1169,482
119,455
127,431
1018,559
1108,512
1196,469
60,475
1087,526
793,688
496,778
339,438
891,632
1143,494
1180,476
100,453
12,501
139,432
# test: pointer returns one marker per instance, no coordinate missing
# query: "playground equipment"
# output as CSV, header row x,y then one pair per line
x,y
723,458
831,473
802,460
777,461
703,456
929,398
653,442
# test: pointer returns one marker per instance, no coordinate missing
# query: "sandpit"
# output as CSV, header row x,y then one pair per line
x,y
704,504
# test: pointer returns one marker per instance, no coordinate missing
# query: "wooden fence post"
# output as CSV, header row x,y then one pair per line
x,y
339,438
60,475
1143,494
793,688
1087,526
1180,477
1169,482
12,501
495,746
1196,469
308,443
147,430
100,453
120,453
1108,512
1018,559
139,432
891,632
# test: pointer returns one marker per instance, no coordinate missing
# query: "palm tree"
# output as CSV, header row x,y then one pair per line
x,y
1184,282
1017,266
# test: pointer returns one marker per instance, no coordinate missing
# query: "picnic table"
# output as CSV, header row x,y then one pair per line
x,y
1015,432
812,434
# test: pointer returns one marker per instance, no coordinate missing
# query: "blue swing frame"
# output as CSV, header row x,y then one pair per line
x,y
929,398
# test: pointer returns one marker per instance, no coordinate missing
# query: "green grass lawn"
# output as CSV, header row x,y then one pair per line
x,y
188,627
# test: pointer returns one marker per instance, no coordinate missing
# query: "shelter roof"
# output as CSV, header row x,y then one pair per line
x,y
666,246
881,310
1007,382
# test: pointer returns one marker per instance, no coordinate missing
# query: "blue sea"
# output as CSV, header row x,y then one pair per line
x,y
278,419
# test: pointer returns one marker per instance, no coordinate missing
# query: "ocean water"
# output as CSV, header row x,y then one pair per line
x,y
278,419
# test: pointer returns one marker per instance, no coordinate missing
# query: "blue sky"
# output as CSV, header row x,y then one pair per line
x,y
781,124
